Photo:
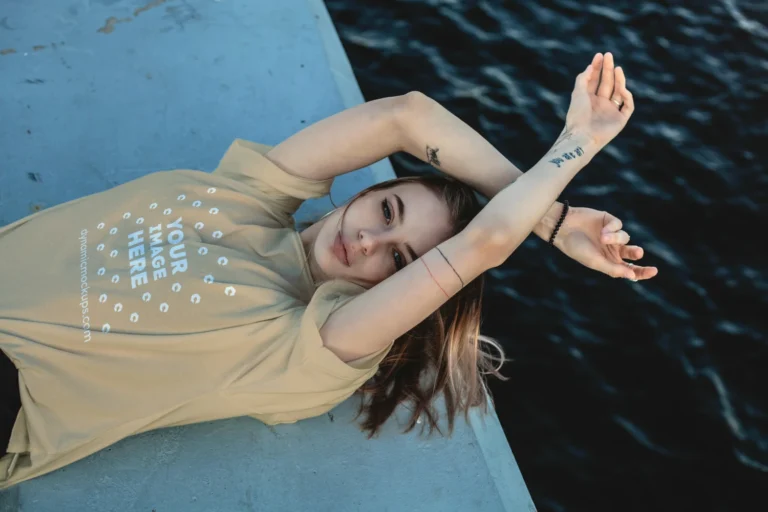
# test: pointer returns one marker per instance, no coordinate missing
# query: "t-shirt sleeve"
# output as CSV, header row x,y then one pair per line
x,y
327,379
246,163
329,297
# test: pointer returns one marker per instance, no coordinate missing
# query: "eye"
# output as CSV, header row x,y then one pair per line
x,y
399,263
387,211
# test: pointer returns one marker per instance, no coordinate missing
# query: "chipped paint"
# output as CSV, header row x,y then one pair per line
x,y
4,24
150,5
7,51
109,25
39,47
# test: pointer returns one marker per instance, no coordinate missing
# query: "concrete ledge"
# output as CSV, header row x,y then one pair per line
x,y
97,93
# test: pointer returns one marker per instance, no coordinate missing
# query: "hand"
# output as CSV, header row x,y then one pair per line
x,y
595,239
601,105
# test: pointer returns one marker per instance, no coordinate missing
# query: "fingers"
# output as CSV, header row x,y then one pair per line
x,y
580,87
630,252
605,89
625,269
612,224
597,62
633,252
617,270
621,90
619,237
641,273
620,81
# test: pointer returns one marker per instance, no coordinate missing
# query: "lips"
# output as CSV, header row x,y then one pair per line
x,y
340,250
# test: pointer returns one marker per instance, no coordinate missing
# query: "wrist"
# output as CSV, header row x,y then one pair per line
x,y
585,140
547,223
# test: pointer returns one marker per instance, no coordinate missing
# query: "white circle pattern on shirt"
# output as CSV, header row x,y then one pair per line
x,y
196,298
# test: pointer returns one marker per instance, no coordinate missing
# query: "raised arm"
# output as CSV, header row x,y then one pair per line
x,y
462,153
366,133
385,312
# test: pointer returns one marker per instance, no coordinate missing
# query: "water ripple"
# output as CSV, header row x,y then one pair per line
x,y
725,403
750,462
640,436
751,26
687,177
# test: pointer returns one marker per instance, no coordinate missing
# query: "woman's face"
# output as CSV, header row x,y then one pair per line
x,y
381,233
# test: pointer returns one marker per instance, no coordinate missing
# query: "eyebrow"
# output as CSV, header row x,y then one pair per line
x,y
401,216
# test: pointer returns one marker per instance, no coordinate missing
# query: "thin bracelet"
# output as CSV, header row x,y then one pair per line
x,y
559,223
449,264
433,277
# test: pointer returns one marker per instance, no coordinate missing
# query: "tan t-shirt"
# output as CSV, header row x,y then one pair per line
x,y
179,297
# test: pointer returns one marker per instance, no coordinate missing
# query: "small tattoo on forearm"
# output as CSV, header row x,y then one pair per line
x,y
568,155
432,156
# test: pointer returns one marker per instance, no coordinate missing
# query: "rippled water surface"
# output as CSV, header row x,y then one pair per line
x,y
622,396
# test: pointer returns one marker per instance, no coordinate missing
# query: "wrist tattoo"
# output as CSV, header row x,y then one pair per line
x,y
432,156
568,155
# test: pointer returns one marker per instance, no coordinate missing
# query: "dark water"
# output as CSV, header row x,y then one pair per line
x,y
623,396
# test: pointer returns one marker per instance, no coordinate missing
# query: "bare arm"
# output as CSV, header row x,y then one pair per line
x,y
434,135
373,319
366,133
344,142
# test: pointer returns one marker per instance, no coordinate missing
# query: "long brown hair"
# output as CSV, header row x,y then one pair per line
x,y
442,354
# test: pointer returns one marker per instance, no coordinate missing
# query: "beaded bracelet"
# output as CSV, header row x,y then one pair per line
x,y
559,223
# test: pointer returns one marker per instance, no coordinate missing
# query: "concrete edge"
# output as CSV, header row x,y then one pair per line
x,y
491,439
501,462
342,73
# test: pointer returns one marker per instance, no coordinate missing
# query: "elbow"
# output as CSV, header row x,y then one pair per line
x,y
416,97
493,245
415,102
409,107
499,249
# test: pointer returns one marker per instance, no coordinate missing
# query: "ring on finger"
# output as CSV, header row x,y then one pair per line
x,y
619,103
631,265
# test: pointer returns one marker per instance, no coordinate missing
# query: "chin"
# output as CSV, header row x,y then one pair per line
x,y
333,268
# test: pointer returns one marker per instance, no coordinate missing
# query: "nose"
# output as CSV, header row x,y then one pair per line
x,y
370,240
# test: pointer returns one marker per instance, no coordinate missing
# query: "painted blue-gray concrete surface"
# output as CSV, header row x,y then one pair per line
x,y
97,93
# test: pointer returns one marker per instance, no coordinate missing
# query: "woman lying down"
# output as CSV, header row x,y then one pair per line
x,y
185,296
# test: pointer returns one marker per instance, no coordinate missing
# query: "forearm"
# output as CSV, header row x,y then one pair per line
x,y
434,135
512,213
